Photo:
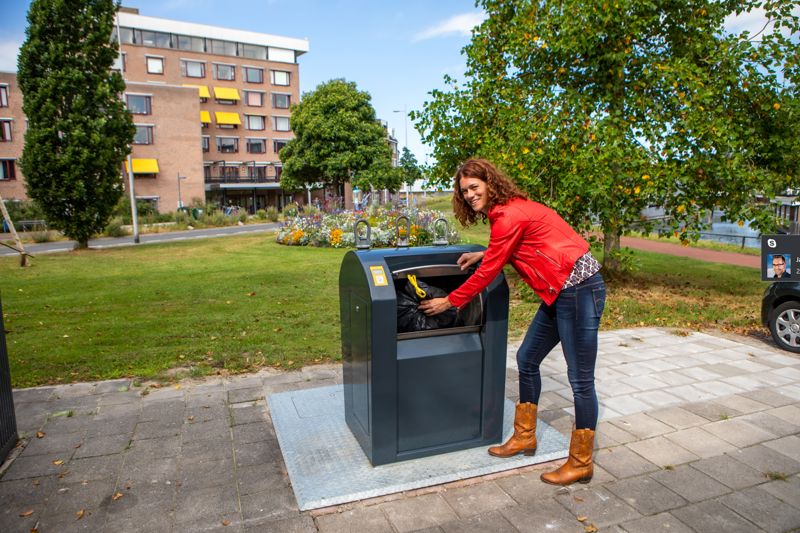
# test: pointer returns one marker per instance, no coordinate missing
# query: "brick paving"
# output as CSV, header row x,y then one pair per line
x,y
698,432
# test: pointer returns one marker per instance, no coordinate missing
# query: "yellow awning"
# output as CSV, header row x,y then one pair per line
x,y
227,119
226,93
205,117
201,89
144,166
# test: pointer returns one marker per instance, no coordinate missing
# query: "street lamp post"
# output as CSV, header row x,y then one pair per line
x,y
131,187
180,202
404,111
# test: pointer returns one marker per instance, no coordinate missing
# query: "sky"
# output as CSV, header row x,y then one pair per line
x,y
396,51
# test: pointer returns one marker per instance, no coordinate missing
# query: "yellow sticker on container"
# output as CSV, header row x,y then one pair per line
x,y
378,276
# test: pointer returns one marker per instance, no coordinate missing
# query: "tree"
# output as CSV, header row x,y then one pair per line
x,y
337,139
410,167
79,131
601,108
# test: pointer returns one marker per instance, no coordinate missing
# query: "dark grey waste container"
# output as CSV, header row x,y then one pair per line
x,y
410,395
8,422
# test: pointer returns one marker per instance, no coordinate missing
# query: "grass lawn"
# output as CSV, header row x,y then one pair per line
x,y
235,304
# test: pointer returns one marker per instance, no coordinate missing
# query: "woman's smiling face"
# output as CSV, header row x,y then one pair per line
x,y
475,193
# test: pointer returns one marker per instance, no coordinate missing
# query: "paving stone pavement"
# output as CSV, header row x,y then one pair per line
x,y
699,432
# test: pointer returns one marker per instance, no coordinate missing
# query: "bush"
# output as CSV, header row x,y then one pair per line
x,y
272,213
45,236
336,229
114,228
23,210
261,214
243,217
291,210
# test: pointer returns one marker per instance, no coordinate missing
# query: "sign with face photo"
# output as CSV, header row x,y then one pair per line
x,y
779,255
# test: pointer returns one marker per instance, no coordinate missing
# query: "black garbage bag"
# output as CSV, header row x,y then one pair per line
x,y
411,318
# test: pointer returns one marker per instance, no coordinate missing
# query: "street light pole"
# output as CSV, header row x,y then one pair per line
x,y
404,111
180,202
131,191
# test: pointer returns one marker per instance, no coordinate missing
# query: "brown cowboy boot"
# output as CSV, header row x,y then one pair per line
x,y
579,463
524,438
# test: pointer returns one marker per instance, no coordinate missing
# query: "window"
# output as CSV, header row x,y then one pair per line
x,y
125,35
253,75
281,101
253,51
223,48
152,38
278,170
206,172
224,72
254,98
206,143
5,130
7,171
277,144
281,123
3,95
119,63
254,122
279,77
257,172
138,104
195,44
155,65
229,171
193,69
256,146
228,145
144,135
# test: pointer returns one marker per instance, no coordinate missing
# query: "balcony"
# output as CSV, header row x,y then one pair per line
x,y
248,172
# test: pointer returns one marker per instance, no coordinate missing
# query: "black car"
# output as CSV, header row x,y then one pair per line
x,y
780,312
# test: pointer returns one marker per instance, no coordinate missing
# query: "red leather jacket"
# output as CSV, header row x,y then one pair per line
x,y
537,242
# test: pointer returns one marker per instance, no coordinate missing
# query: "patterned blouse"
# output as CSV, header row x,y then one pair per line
x,y
585,267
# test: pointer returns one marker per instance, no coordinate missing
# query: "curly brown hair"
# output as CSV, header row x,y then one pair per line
x,y
499,186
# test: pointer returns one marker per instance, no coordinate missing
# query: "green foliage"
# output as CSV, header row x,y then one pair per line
x,y
24,210
337,139
261,214
114,228
78,129
272,213
410,167
600,109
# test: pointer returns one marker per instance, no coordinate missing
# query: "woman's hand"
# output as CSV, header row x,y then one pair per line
x,y
434,306
468,259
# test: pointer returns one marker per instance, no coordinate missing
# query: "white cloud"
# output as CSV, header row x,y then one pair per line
x,y
8,55
753,22
457,24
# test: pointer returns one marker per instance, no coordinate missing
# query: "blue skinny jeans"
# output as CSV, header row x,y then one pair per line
x,y
573,319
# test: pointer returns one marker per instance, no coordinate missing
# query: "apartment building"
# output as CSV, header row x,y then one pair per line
x,y
211,107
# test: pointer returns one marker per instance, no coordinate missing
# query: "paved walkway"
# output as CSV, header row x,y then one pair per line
x,y
699,432
703,254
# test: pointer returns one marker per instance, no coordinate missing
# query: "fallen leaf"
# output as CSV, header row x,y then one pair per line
x,y
116,496
579,500
177,386
226,522
583,518
36,482
58,462
190,418
25,514
591,528
252,294
40,434
80,514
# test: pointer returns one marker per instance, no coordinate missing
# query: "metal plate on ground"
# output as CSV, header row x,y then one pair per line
x,y
327,466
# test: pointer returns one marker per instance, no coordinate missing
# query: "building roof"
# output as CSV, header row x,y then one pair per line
x,y
131,20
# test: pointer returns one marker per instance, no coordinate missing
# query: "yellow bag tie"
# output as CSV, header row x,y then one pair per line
x,y
413,280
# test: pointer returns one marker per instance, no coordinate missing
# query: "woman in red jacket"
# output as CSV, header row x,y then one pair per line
x,y
556,263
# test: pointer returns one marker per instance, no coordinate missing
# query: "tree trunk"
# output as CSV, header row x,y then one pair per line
x,y
611,262
82,245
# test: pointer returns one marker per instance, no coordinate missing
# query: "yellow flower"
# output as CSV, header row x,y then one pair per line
x,y
645,177
776,106
741,223
525,150
681,208
636,189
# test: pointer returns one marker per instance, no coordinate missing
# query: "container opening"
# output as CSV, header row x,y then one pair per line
x,y
412,322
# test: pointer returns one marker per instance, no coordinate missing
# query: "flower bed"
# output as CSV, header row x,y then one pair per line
x,y
336,229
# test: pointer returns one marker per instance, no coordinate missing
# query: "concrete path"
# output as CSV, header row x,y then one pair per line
x,y
703,254
699,432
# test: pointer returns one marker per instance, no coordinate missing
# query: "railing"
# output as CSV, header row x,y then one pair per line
x,y
241,179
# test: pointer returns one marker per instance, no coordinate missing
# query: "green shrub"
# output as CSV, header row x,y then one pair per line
x,y
272,213
261,214
291,210
45,236
243,216
114,228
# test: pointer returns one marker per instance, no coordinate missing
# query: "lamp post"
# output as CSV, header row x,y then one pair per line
x,y
180,202
404,111
131,188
